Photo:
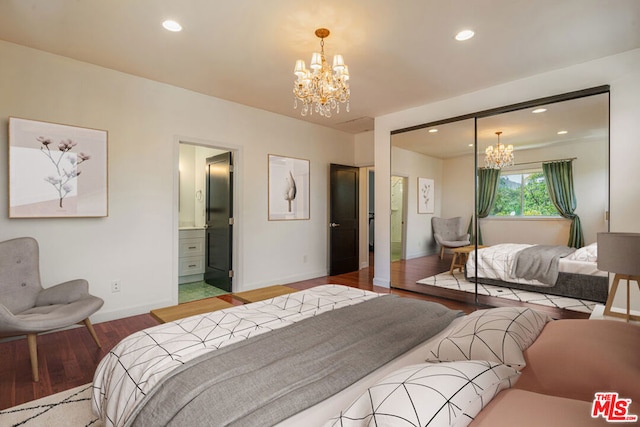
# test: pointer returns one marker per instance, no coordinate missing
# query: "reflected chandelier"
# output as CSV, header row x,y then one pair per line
x,y
499,156
321,89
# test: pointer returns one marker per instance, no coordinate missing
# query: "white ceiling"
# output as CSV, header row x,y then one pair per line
x,y
583,119
400,53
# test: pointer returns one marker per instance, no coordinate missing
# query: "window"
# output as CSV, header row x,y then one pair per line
x,y
523,194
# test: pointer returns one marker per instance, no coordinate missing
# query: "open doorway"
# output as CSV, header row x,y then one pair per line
x,y
194,239
398,217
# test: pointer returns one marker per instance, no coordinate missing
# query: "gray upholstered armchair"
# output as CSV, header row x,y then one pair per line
x,y
28,309
449,233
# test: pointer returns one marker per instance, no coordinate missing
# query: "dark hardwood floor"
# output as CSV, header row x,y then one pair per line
x,y
66,359
69,358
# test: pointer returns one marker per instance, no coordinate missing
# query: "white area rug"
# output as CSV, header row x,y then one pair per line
x,y
69,408
459,283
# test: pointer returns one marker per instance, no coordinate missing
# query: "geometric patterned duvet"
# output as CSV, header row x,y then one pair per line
x,y
497,262
138,362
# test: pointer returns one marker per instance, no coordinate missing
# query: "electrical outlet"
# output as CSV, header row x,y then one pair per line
x,y
115,286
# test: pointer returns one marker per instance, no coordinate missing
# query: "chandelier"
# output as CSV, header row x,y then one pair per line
x,y
321,89
499,156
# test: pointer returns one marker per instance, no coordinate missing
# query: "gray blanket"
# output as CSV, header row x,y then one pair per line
x,y
539,262
268,378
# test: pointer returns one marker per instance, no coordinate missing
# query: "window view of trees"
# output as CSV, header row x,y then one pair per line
x,y
523,194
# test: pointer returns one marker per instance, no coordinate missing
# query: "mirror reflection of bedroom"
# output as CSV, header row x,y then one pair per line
x,y
539,207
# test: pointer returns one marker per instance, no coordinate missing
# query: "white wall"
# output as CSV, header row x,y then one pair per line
x,y
619,71
137,242
187,183
364,149
457,188
419,239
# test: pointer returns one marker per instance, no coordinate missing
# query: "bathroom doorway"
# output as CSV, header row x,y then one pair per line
x,y
193,250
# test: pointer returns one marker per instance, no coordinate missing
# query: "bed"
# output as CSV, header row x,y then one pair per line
x,y
551,269
450,365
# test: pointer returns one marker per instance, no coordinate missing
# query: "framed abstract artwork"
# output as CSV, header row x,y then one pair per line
x,y
288,188
56,171
426,193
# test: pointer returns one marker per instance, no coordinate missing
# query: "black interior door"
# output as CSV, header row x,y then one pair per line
x,y
343,219
219,222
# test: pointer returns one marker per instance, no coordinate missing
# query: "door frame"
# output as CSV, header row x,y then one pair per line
x,y
238,189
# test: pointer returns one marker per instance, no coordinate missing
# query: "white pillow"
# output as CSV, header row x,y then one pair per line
x,y
496,334
587,253
429,394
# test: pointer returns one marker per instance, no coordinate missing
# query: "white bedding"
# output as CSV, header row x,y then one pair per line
x,y
496,262
139,361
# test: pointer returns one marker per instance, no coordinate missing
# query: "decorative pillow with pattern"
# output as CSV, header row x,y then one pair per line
x,y
429,394
496,334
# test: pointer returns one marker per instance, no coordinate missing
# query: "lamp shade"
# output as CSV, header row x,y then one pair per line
x,y
316,61
619,253
300,68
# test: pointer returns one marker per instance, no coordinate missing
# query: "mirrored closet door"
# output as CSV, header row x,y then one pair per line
x,y
564,139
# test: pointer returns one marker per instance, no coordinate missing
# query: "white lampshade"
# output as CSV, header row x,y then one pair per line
x,y
300,68
619,253
316,61
338,63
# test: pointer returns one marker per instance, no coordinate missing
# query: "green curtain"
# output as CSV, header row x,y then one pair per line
x,y
487,187
559,179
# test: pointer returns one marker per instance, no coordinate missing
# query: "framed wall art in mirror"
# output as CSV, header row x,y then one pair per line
x,y
426,195
56,170
288,188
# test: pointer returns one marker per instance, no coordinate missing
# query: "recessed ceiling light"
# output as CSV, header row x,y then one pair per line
x,y
562,132
172,25
433,130
539,110
470,145
464,35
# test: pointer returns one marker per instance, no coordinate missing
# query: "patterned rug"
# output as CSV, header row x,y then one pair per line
x,y
459,283
70,408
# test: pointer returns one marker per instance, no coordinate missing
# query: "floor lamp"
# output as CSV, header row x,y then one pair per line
x,y
619,253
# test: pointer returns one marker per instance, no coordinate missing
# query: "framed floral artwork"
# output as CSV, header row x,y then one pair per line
x,y
56,171
426,193
288,188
